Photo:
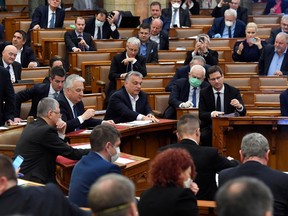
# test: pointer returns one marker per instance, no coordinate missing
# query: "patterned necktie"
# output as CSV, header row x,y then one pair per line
x,y
55,95
174,17
52,21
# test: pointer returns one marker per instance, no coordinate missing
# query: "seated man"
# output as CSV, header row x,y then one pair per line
x,y
228,26
159,36
284,103
42,141
41,90
179,17
273,60
72,107
185,92
283,28
117,18
126,61
202,49
216,100
242,13
101,26
31,200
155,10
8,61
129,103
192,6
103,197
105,142
148,48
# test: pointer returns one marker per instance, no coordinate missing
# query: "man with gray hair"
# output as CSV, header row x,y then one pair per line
x,y
72,107
244,196
228,26
254,154
126,61
283,28
42,141
113,195
129,103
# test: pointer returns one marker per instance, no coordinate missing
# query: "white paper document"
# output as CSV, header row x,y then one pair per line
x,y
135,123
124,160
86,146
86,132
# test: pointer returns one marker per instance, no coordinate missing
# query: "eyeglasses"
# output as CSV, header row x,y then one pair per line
x,y
216,78
132,50
58,113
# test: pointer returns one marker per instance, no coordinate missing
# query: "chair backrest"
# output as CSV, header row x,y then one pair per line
x,y
267,100
160,69
266,19
273,83
68,22
92,56
36,74
187,32
93,101
172,56
240,83
25,109
110,44
161,102
264,33
181,44
241,69
202,20
127,33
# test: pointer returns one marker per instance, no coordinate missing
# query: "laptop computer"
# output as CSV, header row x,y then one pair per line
x,y
130,22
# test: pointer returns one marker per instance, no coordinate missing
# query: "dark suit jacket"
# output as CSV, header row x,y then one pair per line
x,y
120,108
70,35
117,68
184,18
211,58
39,145
168,201
166,22
181,72
242,13
207,103
16,67
179,94
272,3
106,29
85,173
164,41
284,103
266,59
40,17
7,97
219,24
277,182
45,201
151,52
67,115
273,35
208,162
36,93
195,10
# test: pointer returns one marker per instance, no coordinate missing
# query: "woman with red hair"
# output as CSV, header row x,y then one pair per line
x,y
173,191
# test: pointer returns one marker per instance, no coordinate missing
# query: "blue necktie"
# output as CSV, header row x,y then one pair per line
x,y
52,21
75,111
194,97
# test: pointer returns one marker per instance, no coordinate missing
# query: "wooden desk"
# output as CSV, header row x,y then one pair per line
x,y
228,133
143,141
137,171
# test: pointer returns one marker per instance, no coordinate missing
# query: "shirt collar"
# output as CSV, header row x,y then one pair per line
x,y
221,91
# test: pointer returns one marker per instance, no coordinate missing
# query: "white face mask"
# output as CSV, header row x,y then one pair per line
x,y
116,156
228,23
99,23
176,5
187,183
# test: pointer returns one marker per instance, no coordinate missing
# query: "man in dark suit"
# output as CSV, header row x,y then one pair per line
x,y
228,26
155,10
159,36
185,93
284,103
148,48
273,60
117,18
254,154
101,26
72,107
42,141
126,61
129,103
78,40
216,100
105,142
7,98
283,28
34,200
85,5
50,16
41,90
178,16
207,159
8,61
242,13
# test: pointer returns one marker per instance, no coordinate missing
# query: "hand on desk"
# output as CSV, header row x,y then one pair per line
x,y
216,113
17,120
150,117
9,122
111,122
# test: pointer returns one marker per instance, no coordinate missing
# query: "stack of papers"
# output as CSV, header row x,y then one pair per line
x,y
135,123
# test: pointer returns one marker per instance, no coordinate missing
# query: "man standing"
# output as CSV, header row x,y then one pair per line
x,y
8,61
42,141
273,60
148,48
283,28
105,142
207,160
254,155
159,36
129,103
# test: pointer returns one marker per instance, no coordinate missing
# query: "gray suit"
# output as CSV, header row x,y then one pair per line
x,y
80,4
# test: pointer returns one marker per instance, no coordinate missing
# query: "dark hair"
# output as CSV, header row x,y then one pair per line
x,y
155,3
145,26
55,58
6,168
167,166
102,134
57,71
101,10
23,33
213,69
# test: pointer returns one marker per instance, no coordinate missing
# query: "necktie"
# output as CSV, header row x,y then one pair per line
x,y
194,97
8,68
229,32
218,102
129,67
75,111
174,17
52,21
99,35
55,95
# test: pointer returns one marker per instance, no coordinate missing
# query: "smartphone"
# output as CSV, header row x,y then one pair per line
x,y
202,39
18,161
111,14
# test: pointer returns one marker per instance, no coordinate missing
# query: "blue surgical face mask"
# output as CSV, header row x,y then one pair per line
x,y
194,82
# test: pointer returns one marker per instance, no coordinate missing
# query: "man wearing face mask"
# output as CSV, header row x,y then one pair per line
x,y
228,26
105,142
185,92
179,17
102,26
